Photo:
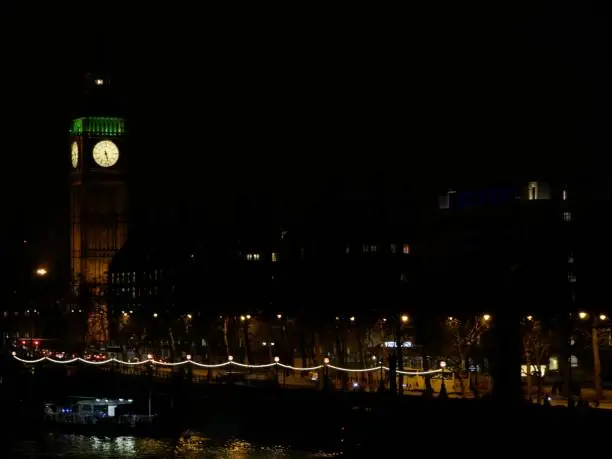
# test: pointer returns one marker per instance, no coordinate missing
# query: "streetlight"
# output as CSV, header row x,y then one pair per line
x,y
596,357
326,374
486,317
443,392
41,272
155,315
529,318
279,316
404,318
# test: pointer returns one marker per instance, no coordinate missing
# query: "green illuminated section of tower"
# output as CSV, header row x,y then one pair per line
x,y
98,125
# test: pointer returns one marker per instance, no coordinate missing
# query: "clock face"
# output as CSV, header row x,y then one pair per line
x,y
75,154
105,153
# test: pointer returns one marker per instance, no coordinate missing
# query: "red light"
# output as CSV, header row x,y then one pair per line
x,y
23,342
36,343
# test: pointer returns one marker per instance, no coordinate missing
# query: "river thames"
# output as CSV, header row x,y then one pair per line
x,y
193,446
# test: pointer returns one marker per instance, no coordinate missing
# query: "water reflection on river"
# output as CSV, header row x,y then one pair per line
x,y
125,447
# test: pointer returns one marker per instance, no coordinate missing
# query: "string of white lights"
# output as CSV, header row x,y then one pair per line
x,y
219,365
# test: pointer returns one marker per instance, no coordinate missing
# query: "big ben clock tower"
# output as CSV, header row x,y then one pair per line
x,y
98,201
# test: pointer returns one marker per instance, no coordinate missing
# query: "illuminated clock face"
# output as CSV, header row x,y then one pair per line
x,y
105,153
75,154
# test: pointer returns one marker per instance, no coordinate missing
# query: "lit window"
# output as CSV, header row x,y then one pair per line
x,y
406,249
373,248
564,195
533,191
567,216
571,278
347,249
275,257
255,256
249,256
99,82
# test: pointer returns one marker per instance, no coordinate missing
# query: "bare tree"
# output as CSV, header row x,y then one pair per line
x,y
464,335
536,346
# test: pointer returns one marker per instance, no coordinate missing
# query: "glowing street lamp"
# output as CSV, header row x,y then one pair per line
x,y
603,317
486,317
41,272
404,318
583,315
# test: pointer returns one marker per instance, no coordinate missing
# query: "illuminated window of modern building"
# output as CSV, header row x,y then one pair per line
x,y
406,249
275,257
567,216
252,256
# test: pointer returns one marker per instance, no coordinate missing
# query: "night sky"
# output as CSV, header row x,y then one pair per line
x,y
284,108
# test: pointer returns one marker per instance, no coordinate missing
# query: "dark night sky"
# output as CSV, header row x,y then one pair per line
x,y
240,106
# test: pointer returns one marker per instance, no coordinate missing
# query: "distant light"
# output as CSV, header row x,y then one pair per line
x,y
189,316
405,344
99,82
277,359
150,356
230,358
404,318
352,319
154,314
41,272
582,315
486,317
442,364
279,316
603,317
326,360
530,318
188,356
248,316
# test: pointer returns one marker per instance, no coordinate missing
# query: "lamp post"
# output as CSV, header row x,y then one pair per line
x,y
443,392
595,325
326,374
398,348
276,360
